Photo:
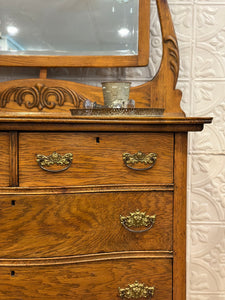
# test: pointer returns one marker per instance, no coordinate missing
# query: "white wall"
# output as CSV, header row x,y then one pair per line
x,y
200,27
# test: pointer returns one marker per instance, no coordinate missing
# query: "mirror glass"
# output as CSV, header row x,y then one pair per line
x,y
69,27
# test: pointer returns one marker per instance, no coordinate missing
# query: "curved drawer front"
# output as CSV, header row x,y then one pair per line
x,y
4,159
71,224
105,280
69,159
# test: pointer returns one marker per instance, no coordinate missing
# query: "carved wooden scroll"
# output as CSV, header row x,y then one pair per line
x,y
161,91
172,48
166,79
40,96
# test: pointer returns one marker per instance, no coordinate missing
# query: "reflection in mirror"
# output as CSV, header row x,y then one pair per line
x,y
69,27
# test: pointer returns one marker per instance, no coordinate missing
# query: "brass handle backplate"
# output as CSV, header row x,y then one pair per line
x,y
136,290
54,159
137,219
140,157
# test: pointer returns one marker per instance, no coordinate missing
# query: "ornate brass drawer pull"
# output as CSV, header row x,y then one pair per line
x,y
137,219
55,159
136,290
139,157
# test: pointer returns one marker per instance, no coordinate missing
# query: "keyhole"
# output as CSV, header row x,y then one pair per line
x,y
13,202
97,140
12,273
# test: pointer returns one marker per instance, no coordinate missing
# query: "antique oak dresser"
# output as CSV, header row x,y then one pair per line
x,y
94,206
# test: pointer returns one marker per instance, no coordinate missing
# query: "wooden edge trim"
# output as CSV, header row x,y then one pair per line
x,y
169,62
144,33
85,189
68,61
179,216
172,119
13,150
85,258
99,127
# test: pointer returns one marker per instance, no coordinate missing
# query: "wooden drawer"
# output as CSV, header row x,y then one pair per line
x,y
4,159
89,281
71,224
97,158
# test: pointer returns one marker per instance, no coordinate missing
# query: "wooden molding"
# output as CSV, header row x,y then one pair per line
x,y
111,256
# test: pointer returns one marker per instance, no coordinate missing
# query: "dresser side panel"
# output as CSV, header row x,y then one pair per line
x,y
179,217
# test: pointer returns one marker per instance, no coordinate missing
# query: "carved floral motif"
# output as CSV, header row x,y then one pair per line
x,y
40,96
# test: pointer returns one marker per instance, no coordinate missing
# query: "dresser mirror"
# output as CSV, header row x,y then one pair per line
x,y
114,33
60,33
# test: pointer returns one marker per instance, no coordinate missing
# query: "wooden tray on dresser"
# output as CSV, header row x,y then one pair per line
x,y
94,207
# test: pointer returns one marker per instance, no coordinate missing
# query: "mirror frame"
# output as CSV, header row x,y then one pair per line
x,y
45,61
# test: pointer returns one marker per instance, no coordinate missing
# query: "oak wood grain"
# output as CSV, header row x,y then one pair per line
x,y
84,258
4,159
84,189
179,225
71,224
61,236
13,180
94,162
26,122
92,281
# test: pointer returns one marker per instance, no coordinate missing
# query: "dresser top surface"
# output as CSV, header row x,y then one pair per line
x,y
109,123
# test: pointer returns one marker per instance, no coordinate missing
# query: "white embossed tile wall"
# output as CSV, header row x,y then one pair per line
x,y
200,28
203,81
